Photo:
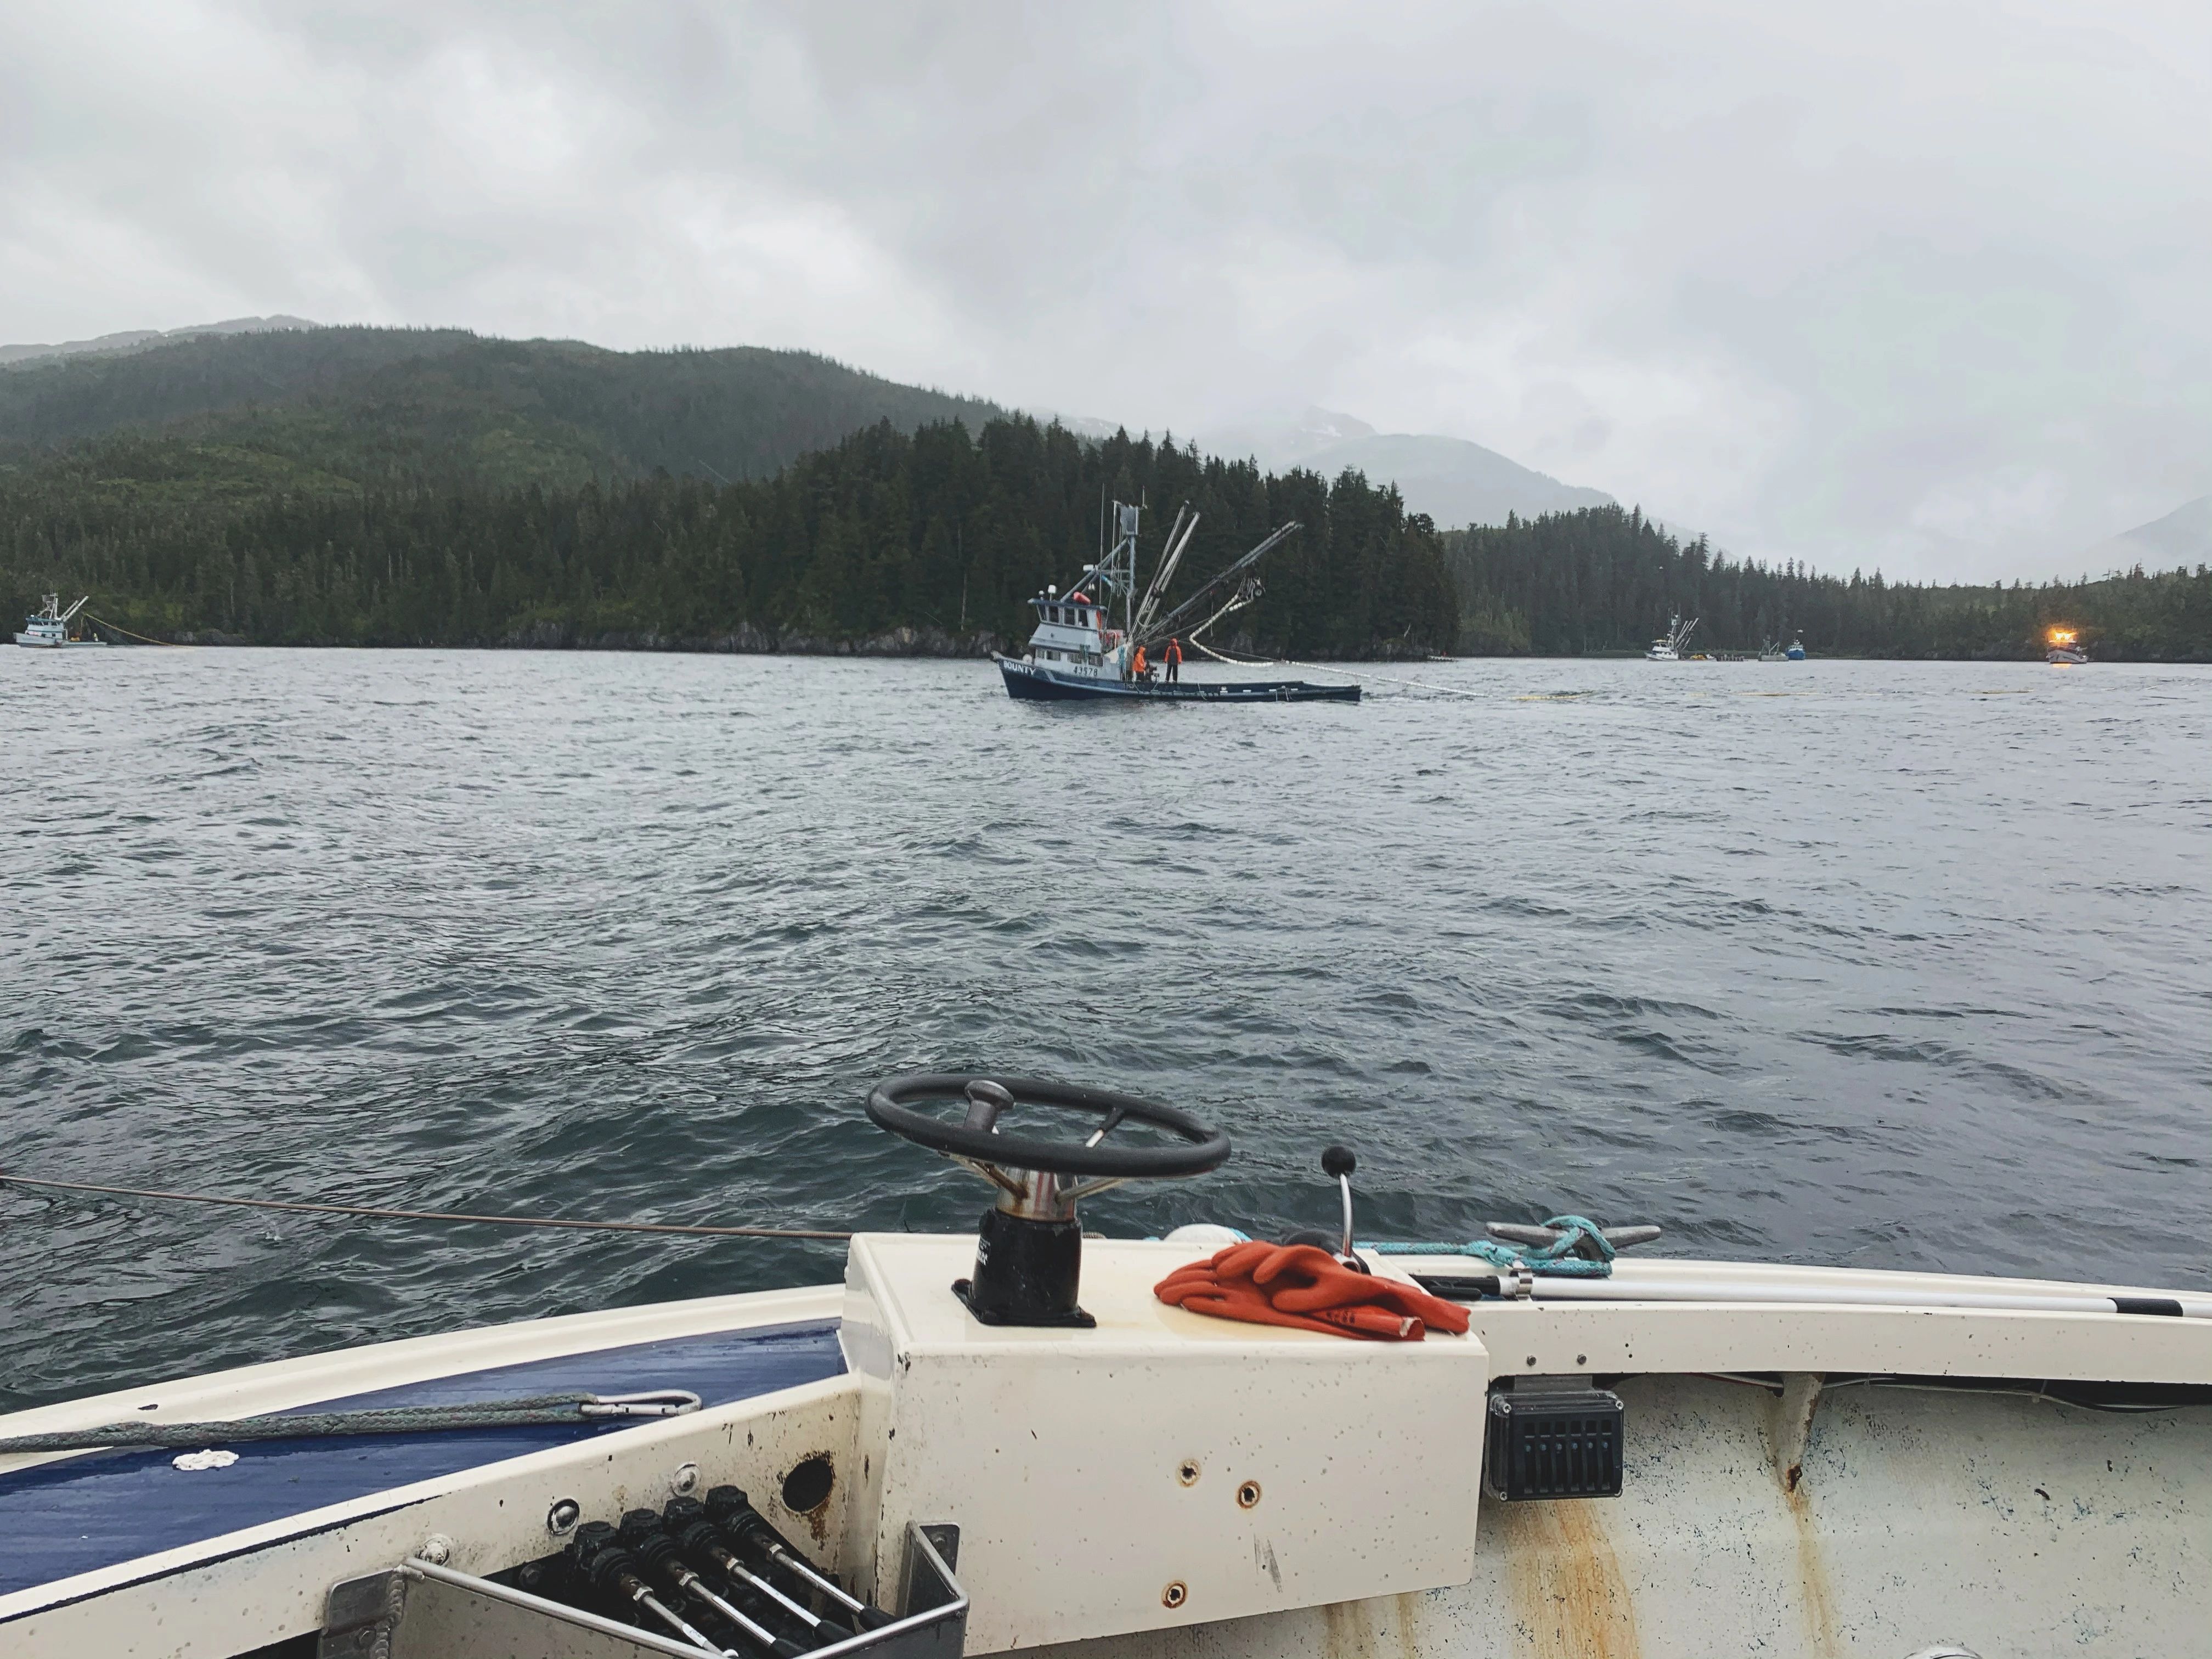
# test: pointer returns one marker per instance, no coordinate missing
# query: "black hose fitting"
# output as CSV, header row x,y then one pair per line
x,y
606,1564
728,1508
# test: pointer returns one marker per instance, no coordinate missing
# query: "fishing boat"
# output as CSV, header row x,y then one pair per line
x,y
1528,1443
1796,651
1669,646
48,628
1078,653
2064,646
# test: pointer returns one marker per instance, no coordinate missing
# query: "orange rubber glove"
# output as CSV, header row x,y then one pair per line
x,y
1306,1288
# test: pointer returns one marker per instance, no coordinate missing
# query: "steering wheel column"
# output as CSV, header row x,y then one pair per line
x,y
1029,1250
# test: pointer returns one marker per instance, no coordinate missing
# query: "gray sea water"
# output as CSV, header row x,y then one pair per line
x,y
1889,964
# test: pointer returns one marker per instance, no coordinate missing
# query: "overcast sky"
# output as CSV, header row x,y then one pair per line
x,y
1920,286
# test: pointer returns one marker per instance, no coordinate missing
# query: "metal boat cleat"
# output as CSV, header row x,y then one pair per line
x,y
1519,1232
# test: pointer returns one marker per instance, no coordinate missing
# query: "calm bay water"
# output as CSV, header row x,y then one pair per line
x,y
1875,963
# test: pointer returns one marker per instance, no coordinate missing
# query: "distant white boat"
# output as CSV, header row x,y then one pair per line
x,y
49,628
2065,647
1669,649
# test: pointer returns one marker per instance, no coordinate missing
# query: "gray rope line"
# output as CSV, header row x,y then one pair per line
x,y
377,1214
532,1409
1342,674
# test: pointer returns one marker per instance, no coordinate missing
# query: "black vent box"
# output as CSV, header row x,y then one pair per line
x,y
1562,1442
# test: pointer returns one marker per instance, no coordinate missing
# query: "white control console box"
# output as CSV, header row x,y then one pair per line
x,y
1164,1468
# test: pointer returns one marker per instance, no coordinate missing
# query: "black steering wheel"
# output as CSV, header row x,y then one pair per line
x,y
976,1139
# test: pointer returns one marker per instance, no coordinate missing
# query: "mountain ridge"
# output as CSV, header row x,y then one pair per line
x,y
440,406
1455,481
2181,537
133,338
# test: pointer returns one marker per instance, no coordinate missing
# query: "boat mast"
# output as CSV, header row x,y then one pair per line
x,y
1179,535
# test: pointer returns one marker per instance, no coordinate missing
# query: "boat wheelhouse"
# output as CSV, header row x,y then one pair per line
x,y
48,628
1668,647
1072,636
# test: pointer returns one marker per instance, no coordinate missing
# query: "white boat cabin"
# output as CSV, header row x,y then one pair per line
x,y
1073,636
50,626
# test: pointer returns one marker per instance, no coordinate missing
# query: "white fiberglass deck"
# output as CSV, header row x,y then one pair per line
x,y
1801,1477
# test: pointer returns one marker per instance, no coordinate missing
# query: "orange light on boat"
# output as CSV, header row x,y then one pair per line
x,y
2062,637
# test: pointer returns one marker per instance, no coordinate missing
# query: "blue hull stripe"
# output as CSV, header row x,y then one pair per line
x,y
84,1513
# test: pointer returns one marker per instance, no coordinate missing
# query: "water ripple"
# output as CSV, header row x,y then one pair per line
x,y
1890,970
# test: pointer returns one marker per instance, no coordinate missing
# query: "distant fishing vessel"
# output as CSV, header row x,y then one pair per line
x,y
1669,648
49,628
1077,654
2064,646
1795,652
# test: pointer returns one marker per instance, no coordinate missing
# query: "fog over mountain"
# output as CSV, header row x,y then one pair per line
x,y
1918,287
133,339
1454,481
2182,536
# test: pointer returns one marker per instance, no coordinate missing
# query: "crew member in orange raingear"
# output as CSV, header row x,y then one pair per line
x,y
1173,657
1137,664
1306,1288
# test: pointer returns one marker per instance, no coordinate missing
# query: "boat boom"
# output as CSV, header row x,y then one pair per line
x,y
1178,538
1172,623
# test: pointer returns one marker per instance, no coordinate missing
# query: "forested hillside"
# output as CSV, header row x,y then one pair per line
x,y
887,540
1608,579
335,409
385,486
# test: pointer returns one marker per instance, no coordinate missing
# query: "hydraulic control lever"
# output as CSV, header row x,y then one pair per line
x,y
1339,1162
730,1510
642,1533
614,1571
687,1523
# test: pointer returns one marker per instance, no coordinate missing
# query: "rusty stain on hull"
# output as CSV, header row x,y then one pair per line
x,y
1408,1606
1347,1635
1569,1600
1819,1601
1350,1630
1789,1435
816,1516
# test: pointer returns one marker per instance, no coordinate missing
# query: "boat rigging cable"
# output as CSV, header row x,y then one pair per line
x,y
377,1214
169,644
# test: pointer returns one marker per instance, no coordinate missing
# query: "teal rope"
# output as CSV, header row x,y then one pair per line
x,y
1580,1251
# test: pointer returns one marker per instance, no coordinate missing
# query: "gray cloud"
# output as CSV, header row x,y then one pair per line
x,y
1918,286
